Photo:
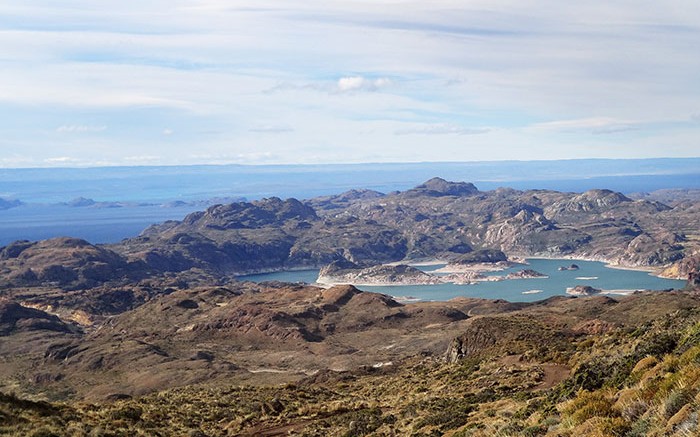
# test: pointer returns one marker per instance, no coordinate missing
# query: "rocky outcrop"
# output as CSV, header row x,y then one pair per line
x,y
437,219
583,290
343,200
437,187
683,268
479,261
15,317
693,280
484,256
339,295
690,268
69,263
525,274
348,273
345,272
244,215
277,325
592,201
489,335
260,236
466,277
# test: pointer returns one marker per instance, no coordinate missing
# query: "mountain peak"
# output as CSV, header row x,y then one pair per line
x,y
440,187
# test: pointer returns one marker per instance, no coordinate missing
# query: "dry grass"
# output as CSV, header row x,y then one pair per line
x,y
624,383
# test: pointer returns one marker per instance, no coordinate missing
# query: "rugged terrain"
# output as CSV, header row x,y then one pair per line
x,y
306,361
346,272
438,219
339,272
154,336
453,221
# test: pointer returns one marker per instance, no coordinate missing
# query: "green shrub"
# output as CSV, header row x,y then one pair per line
x,y
674,402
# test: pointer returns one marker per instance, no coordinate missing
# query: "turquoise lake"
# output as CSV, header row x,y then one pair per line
x,y
512,290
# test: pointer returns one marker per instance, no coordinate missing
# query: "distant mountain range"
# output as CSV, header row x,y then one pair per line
x,y
436,219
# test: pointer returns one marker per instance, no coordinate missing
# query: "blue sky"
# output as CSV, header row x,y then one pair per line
x,y
89,83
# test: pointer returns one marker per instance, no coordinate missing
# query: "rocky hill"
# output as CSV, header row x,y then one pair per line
x,y
339,272
307,361
437,219
70,263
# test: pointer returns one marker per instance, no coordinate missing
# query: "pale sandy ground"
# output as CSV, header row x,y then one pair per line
x,y
615,292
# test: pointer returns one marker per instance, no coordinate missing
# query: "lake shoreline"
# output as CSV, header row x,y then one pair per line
x,y
483,267
618,281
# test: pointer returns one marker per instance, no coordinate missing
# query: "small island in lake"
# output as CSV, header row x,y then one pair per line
x,y
345,272
571,267
583,290
525,274
483,260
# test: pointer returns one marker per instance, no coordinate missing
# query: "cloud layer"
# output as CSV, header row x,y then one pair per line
x,y
389,80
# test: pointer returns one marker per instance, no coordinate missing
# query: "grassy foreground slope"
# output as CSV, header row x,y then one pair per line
x,y
635,377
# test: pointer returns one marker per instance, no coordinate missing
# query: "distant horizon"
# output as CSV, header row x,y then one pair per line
x,y
150,194
321,164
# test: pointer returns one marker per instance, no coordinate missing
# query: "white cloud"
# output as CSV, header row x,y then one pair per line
x,y
346,84
252,158
16,161
359,83
441,129
77,128
271,129
529,70
62,160
595,125
142,159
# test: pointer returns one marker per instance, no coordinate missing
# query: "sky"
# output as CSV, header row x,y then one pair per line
x,y
86,83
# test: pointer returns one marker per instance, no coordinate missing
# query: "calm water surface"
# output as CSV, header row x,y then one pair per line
x,y
511,290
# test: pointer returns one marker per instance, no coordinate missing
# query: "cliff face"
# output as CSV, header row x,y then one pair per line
x,y
690,268
694,280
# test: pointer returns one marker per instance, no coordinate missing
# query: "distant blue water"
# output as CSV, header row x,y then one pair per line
x,y
42,189
161,184
511,290
97,225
